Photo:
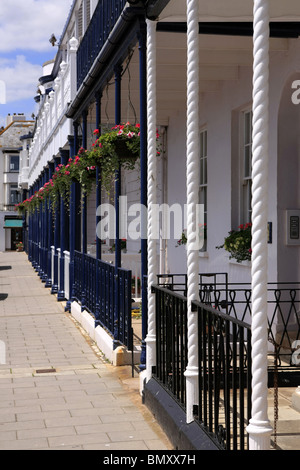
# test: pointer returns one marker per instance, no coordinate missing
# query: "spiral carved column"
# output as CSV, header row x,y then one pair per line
x,y
152,182
259,428
192,180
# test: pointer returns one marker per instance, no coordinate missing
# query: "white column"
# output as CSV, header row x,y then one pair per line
x,y
152,196
192,181
259,428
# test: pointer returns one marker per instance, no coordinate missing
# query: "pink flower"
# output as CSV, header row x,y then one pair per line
x,y
67,172
96,131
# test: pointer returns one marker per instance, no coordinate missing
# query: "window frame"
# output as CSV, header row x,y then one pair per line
x,y
245,158
203,176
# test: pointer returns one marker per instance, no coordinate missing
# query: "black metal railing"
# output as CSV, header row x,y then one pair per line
x,y
234,299
104,19
224,359
106,293
171,342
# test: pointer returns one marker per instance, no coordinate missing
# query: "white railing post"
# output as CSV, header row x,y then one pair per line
x,y
152,182
192,182
67,275
259,428
73,66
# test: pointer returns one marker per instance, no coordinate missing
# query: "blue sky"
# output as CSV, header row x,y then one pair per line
x,y
25,29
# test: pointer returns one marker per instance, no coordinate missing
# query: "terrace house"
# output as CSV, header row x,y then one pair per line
x,y
219,83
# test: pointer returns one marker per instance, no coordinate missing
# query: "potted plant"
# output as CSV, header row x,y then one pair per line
x,y
238,243
19,246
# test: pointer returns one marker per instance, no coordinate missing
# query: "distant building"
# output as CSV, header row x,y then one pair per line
x,y
10,149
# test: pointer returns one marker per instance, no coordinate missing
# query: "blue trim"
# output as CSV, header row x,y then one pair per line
x,y
64,154
277,29
118,70
144,198
55,287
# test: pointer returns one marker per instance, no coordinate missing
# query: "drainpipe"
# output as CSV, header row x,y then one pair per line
x,y
259,428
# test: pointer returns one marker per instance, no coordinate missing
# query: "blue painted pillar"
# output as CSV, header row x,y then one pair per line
x,y
84,199
98,176
55,287
30,229
24,226
84,214
50,237
38,231
72,228
77,195
143,163
45,229
118,71
62,235
98,203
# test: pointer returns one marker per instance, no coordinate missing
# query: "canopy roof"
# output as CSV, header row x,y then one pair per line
x,y
231,10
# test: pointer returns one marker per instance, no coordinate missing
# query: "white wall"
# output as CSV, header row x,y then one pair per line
x,y
216,111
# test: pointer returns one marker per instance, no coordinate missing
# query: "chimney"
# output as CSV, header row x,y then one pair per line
x,y
15,117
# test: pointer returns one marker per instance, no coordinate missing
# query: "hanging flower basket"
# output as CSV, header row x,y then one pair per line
x,y
115,148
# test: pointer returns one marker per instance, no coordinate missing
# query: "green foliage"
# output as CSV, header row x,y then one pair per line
x,y
238,243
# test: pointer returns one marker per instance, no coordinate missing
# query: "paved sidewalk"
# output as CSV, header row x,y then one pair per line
x,y
56,390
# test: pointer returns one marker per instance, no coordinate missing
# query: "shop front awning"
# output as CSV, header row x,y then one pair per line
x,y
13,223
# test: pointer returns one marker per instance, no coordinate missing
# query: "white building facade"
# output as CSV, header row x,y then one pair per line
x,y
11,226
219,81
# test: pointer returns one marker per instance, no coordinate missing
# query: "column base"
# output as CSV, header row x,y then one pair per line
x,y
259,435
151,355
54,289
61,296
192,398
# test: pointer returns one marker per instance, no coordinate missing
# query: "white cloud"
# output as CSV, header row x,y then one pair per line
x,y
20,78
28,24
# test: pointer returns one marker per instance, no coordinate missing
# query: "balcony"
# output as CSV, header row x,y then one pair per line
x,y
7,207
53,127
101,25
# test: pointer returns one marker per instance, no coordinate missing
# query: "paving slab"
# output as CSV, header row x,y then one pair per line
x,y
57,392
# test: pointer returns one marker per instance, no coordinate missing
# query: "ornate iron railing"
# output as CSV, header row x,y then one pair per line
x,y
224,358
106,293
171,342
234,299
103,21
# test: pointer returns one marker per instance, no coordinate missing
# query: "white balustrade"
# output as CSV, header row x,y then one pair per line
x,y
52,133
